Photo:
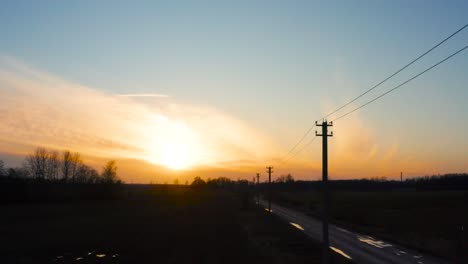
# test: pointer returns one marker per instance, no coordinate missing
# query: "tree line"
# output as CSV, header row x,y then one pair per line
x,y
449,181
44,165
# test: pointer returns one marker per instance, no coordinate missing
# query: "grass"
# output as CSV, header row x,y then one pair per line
x,y
152,225
426,220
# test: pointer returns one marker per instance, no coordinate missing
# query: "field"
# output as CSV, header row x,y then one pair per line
x,y
160,224
430,221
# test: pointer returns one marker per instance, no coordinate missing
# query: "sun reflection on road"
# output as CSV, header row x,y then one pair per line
x,y
89,256
373,242
339,251
297,226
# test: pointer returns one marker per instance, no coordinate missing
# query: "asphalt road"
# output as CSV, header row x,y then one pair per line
x,y
360,248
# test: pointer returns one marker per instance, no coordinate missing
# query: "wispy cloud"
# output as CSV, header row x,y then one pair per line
x,y
144,95
40,109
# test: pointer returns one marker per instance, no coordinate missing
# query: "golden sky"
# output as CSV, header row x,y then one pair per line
x,y
156,138
162,135
227,88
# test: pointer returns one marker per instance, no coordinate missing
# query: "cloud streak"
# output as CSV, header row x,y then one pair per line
x,y
144,95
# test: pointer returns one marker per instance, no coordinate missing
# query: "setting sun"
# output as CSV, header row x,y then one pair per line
x,y
172,144
175,156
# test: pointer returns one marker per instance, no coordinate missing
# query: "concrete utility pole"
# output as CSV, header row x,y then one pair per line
x,y
258,190
269,170
326,195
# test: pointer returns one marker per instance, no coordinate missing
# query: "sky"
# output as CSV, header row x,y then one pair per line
x,y
176,89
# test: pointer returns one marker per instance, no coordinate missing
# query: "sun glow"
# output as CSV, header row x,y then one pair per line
x,y
175,156
173,145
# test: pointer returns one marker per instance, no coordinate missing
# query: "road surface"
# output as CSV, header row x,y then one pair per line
x,y
360,248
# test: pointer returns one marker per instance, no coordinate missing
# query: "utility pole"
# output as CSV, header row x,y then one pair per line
x,y
401,177
269,170
258,190
326,195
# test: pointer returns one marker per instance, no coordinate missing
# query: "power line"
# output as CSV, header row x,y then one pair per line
x,y
403,83
296,153
395,73
375,86
299,151
295,146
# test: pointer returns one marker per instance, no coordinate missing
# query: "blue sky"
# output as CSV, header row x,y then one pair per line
x,y
277,65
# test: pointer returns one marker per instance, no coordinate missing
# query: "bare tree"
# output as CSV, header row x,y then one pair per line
x,y
285,179
86,174
76,163
92,176
198,182
19,172
66,164
52,165
36,163
2,169
109,173
48,165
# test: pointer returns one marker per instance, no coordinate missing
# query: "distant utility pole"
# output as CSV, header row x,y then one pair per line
x,y
269,170
401,176
258,190
326,196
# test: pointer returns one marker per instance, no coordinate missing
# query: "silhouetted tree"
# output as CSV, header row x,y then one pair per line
x,y
198,182
92,175
52,165
66,164
2,169
285,179
219,182
43,164
109,173
86,174
76,163
17,173
36,163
